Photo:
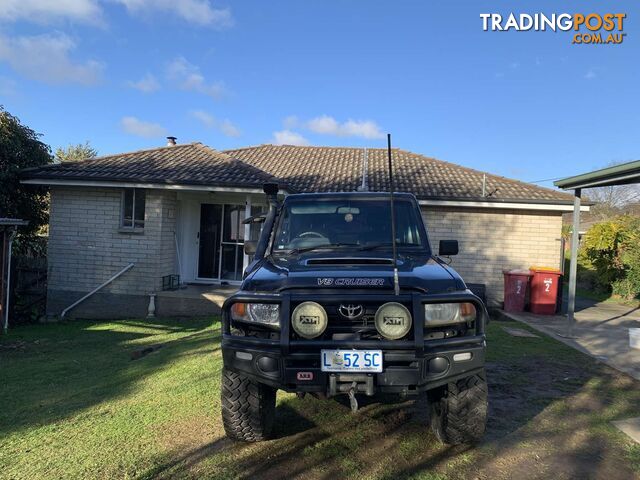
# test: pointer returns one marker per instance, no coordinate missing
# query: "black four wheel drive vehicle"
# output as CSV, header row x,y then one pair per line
x,y
320,312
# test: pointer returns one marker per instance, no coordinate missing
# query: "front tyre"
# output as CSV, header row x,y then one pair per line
x,y
459,410
248,407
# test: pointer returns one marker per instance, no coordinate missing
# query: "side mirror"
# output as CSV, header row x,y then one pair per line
x,y
447,248
250,247
255,219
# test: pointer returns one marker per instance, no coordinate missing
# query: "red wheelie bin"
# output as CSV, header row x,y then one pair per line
x,y
544,290
516,283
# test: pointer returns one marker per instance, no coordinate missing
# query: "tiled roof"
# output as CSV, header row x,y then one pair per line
x,y
323,169
186,164
297,169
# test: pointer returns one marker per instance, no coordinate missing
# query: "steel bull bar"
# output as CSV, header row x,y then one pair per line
x,y
273,361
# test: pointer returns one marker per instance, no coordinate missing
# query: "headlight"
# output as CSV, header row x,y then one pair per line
x,y
309,320
436,314
263,313
393,320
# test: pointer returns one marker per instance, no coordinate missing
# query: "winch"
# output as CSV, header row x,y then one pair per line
x,y
351,384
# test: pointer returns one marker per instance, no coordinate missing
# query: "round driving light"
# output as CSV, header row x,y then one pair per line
x,y
393,320
309,319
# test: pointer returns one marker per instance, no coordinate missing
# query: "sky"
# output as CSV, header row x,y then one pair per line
x,y
123,74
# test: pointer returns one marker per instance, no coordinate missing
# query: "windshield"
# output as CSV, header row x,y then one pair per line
x,y
359,223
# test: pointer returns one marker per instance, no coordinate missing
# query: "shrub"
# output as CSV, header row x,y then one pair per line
x,y
612,250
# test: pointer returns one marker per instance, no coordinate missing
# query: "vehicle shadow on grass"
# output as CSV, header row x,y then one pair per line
x,y
550,409
53,372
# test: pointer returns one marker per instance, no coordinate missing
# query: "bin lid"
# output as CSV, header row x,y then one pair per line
x,y
517,272
545,270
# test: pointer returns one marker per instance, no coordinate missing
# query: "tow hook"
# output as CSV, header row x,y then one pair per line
x,y
353,401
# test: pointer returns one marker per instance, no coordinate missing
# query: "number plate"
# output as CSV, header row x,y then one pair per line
x,y
351,360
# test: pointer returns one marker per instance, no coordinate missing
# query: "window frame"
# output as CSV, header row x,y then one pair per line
x,y
132,228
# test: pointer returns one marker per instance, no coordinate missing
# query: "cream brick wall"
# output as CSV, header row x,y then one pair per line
x,y
86,246
493,240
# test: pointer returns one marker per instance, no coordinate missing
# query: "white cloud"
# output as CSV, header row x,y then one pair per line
x,y
140,128
225,126
287,137
199,12
188,77
326,125
291,122
146,84
46,58
206,119
48,11
229,129
590,75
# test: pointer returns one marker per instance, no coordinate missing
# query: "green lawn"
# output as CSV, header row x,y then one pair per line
x,y
73,404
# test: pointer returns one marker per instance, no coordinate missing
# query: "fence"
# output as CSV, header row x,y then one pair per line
x,y
29,290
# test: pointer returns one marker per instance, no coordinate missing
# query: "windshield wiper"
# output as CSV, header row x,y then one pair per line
x,y
373,246
297,251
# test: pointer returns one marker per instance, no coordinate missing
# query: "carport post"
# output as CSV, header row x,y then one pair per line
x,y
573,268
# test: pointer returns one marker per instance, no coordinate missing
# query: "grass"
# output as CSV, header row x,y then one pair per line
x,y
75,405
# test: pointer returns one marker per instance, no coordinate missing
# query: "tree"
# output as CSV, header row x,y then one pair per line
x,y
75,153
20,147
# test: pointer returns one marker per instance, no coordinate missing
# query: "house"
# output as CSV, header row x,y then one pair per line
x,y
178,209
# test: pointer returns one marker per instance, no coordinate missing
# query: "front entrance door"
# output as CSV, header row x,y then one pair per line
x,y
209,241
232,243
221,242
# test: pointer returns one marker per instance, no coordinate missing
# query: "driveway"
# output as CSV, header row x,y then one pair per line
x,y
601,330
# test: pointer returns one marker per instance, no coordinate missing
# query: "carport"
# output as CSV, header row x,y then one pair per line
x,y
623,174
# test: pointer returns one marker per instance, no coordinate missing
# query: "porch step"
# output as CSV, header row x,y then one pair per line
x,y
193,301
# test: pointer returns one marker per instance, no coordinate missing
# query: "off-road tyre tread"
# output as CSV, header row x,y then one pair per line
x,y
459,412
248,407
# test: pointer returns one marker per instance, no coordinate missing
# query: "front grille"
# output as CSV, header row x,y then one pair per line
x,y
364,326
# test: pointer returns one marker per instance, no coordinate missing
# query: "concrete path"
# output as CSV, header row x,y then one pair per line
x,y
601,330
630,426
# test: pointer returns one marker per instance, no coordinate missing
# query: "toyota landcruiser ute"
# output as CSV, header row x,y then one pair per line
x,y
330,306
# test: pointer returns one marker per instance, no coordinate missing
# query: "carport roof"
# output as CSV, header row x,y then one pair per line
x,y
622,174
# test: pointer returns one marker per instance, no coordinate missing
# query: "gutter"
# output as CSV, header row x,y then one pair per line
x,y
157,186
514,205
548,205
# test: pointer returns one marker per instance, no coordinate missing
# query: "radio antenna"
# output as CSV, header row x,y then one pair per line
x,y
396,282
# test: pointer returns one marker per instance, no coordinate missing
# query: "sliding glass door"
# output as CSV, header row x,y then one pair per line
x,y
232,243
221,242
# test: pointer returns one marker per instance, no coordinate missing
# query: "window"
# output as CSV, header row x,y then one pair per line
x,y
133,201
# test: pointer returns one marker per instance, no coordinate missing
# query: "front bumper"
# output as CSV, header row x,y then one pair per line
x,y
408,366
